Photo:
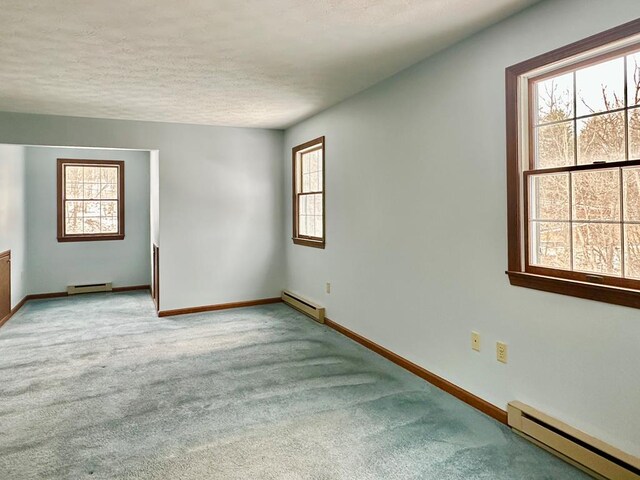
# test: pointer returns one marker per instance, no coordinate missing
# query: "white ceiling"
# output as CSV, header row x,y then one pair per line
x,y
252,63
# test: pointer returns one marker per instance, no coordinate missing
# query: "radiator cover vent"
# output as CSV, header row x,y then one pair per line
x,y
597,458
92,288
303,305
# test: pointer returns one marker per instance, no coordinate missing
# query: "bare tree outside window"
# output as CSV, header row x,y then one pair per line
x,y
90,200
583,199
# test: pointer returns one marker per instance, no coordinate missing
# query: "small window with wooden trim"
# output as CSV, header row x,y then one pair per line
x,y
308,194
573,152
90,200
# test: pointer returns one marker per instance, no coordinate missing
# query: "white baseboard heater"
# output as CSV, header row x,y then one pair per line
x,y
305,306
595,457
96,287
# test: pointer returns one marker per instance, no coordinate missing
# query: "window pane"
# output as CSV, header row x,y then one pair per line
x,y
555,99
318,200
600,87
549,197
302,225
601,138
633,79
596,248
74,209
91,191
314,163
554,145
73,225
311,205
318,227
109,225
632,251
91,209
314,183
551,245
631,186
73,174
91,225
310,208
92,174
305,163
311,166
596,195
108,209
634,134
310,162
311,230
310,223
109,191
108,175
74,190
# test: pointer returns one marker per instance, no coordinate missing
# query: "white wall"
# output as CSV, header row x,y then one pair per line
x,y
154,196
416,233
154,203
13,217
53,265
220,200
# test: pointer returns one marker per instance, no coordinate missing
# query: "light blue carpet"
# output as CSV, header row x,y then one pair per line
x,y
95,386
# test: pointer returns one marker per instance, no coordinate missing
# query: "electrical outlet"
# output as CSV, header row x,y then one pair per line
x,y
327,288
475,341
501,352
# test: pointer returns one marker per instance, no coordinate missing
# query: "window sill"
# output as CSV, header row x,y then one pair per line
x,y
574,288
309,243
90,238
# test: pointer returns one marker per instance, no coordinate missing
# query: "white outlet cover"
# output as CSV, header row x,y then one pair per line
x,y
502,352
475,341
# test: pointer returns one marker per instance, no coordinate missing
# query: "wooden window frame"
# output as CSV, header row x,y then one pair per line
x,y
316,242
583,285
61,198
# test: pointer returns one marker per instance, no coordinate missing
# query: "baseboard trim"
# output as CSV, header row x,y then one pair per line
x,y
13,311
44,296
458,392
219,306
131,288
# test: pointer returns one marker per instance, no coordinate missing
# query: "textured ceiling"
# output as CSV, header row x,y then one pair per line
x,y
254,63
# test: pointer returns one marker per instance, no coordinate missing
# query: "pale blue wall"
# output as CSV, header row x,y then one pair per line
x,y
416,233
220,199
13,216
54,265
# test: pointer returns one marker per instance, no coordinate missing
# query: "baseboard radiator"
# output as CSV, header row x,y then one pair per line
x,y
305,306
591,455
96,287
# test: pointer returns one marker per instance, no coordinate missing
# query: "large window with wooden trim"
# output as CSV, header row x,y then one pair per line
x,y
574,169
90,200
308,194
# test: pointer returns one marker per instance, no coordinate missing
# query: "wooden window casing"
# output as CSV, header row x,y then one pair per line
x,y
521,167
299,236
62,201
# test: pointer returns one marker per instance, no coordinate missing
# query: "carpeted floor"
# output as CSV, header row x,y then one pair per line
x,y
96,386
